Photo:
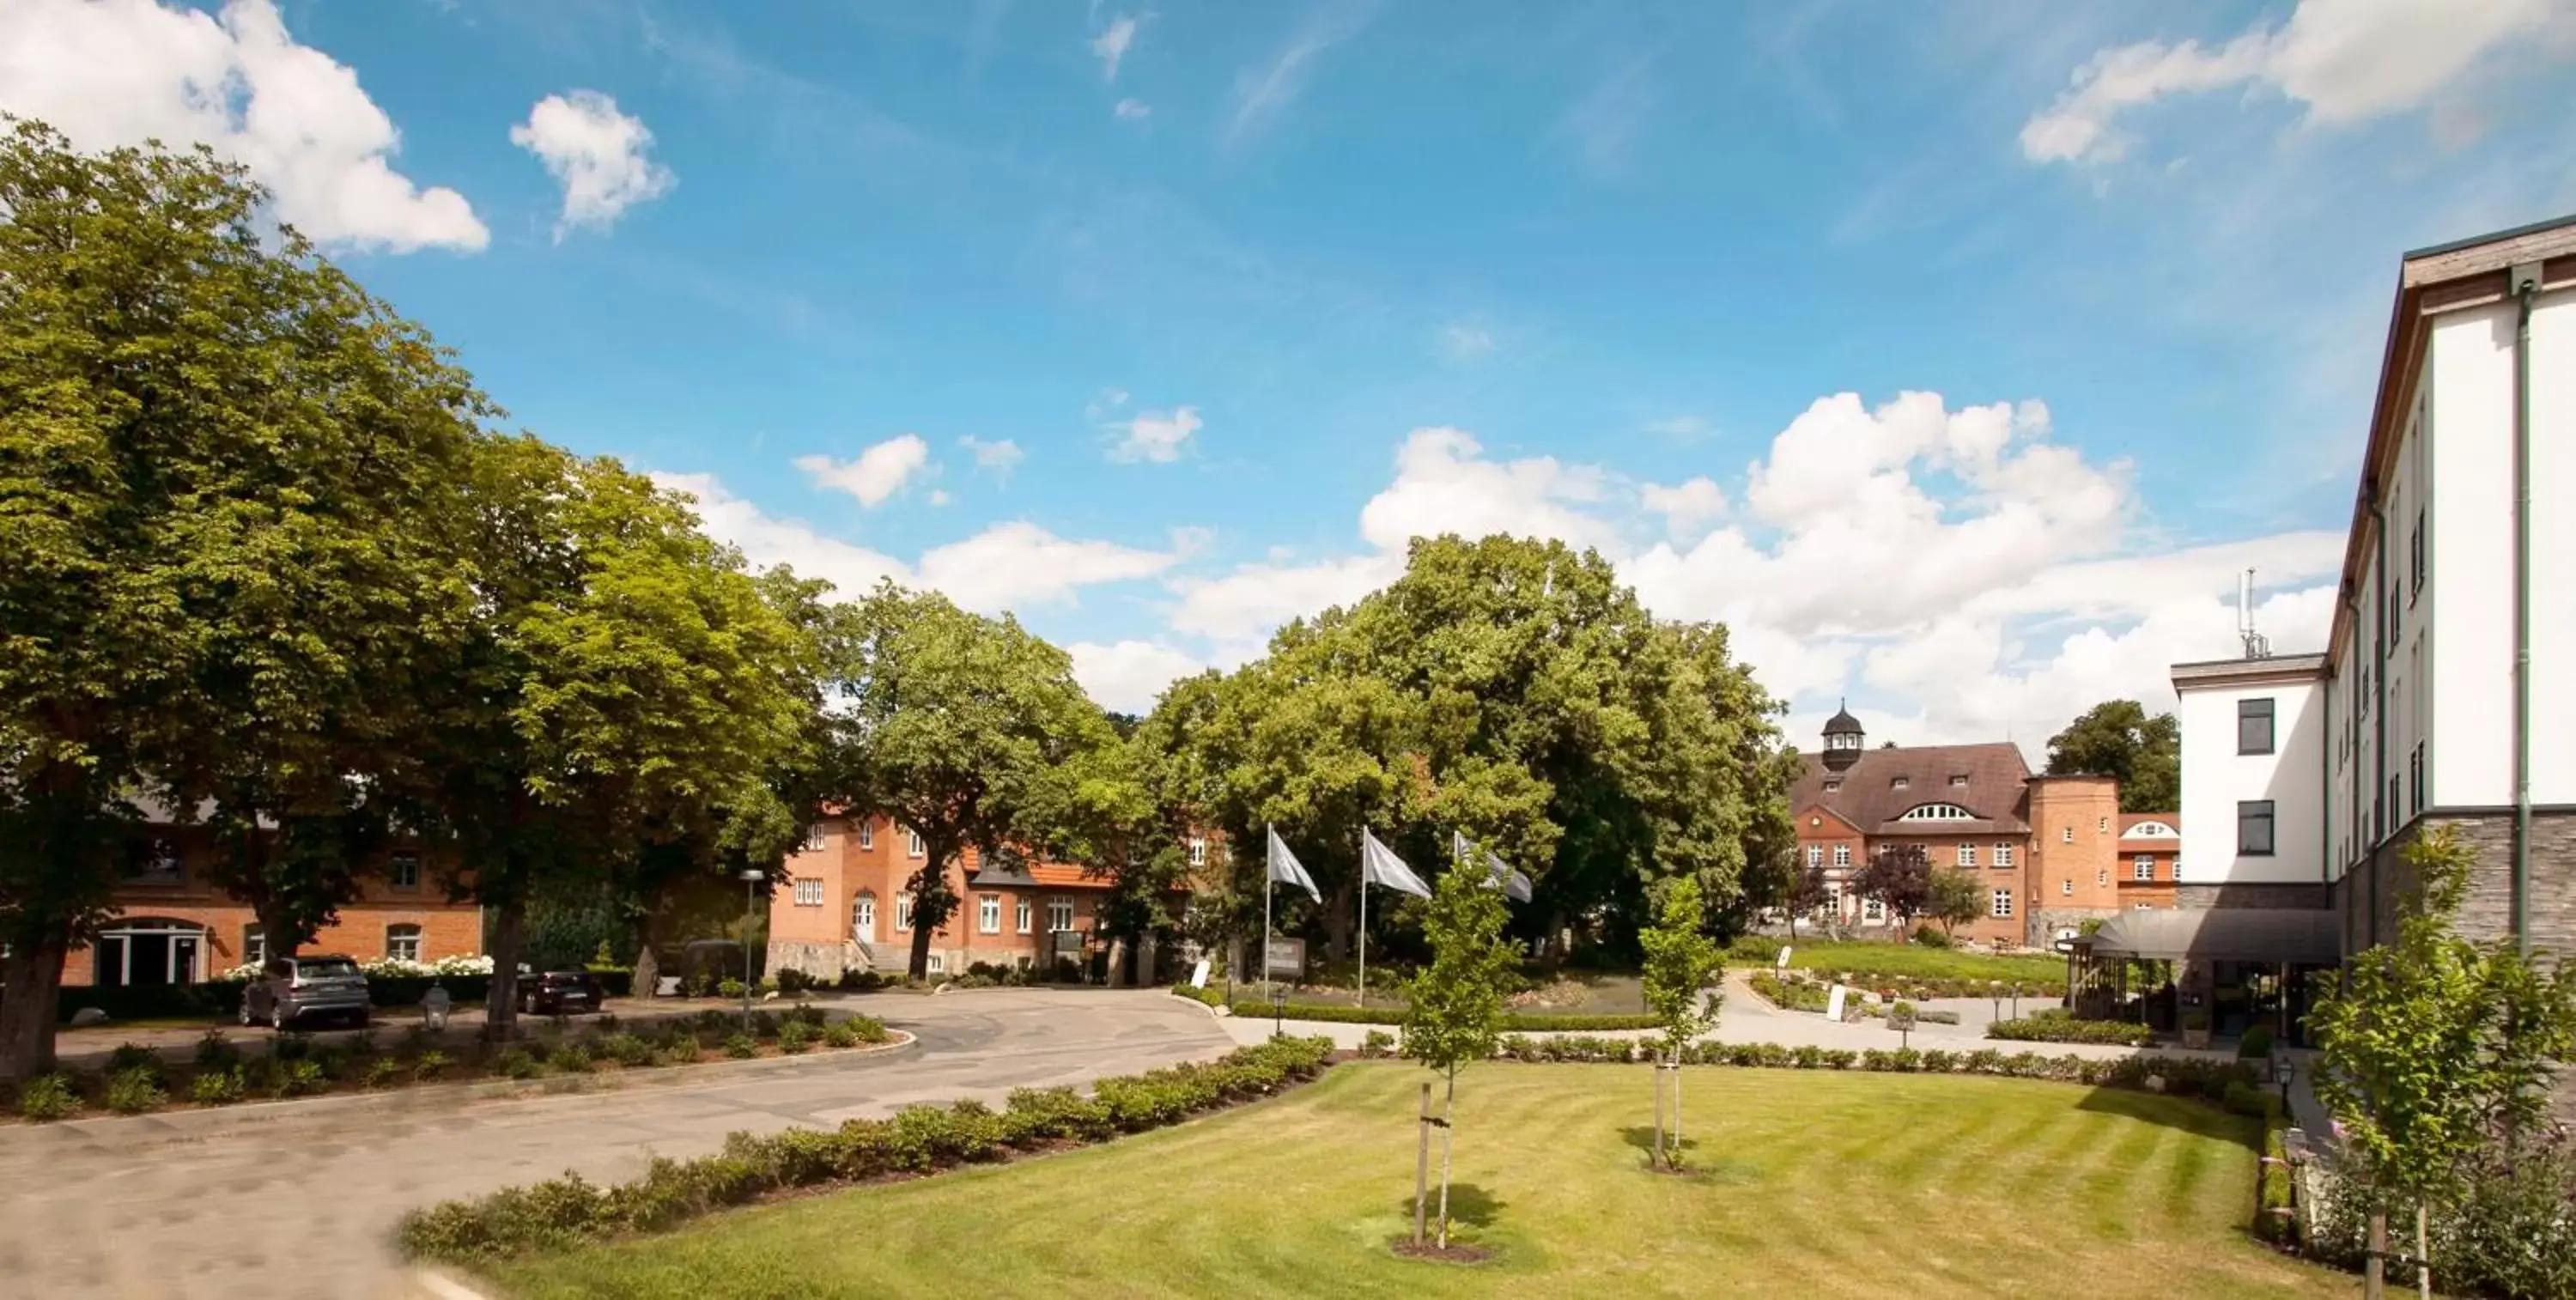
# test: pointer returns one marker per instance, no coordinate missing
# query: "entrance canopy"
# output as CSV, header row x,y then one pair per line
x,y
2296,937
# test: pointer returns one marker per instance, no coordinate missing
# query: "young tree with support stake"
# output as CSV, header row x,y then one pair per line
x,y
1454,1010
1681,962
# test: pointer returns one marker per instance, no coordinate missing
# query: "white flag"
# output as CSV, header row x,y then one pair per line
x,y
1285,869
1380,866
1514,885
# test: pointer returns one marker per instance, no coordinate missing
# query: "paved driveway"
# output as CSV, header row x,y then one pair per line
x,y
300,1205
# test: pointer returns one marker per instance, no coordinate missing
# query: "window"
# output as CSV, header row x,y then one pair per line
x,y
2415,779
2002,904
863,917
1831,786
912,845
2145,829
1842,855
402,943
1815,856
2066,835
988,914
903,911
2144,868
1937,812
2102,878
2254,726
1198,851
254,950
938,963
1899,782
1020,915
867,835
809,892
2396,781
2066,887
2396,616
2254,828
1958,780
2003,855
2102,825
1967,855
1059,914
2415,556
405,871
814,838
2142,907
1873,911
153,862
1833,904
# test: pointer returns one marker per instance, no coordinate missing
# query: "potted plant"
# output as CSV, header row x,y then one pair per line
x,y
2195,1030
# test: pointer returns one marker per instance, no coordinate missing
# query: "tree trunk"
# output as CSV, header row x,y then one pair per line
x,y
501,1005
1676,1160
648,969
2374,1267
1421,1165
1448,1135
930,879
1338,926
277,929
29,1004
1656,1159
2423,1253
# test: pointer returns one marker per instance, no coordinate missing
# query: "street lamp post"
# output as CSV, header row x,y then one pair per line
x,y
750,881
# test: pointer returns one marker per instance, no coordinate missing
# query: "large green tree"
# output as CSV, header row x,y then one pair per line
x,y
2119,738
969,731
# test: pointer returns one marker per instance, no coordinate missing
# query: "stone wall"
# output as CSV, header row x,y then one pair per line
x,y
823,961
2367,896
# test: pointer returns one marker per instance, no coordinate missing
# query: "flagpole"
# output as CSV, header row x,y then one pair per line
x,y
1363,945
1269,880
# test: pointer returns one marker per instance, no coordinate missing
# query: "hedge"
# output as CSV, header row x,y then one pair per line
x,y
2182,1076
223,997
569,1210
1334,1013
2057,1026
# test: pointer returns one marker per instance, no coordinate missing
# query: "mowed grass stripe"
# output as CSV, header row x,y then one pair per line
x,y
1299,1196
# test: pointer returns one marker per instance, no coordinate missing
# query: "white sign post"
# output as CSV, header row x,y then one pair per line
x,y
1834,1004
1784,957
1199,974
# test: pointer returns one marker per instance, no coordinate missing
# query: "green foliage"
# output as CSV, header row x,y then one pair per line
x,y
1377,1043
1900,878
2118,738
48,1097
2253,1099
220,1087
299,1078
2256,1042
429,1065
1926,935
1681,963
2435,1046
796,1037
1957,897
729,989
516,1063
2511,1230
741,1047
133,1056
918,1140
2055,1025
386,1072
135,1090
215,1052
1454,1006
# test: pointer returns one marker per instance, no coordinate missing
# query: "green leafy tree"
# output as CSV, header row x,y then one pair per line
x,y
1681,963
971,731
1899,878
1956,899
2436,1046
2119,738
1454,1005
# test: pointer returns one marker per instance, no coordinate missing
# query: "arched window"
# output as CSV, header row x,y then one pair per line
x,y
1937,812
402,943
2150,831
863,916
148,950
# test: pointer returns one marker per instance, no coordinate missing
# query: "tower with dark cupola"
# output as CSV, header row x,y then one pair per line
x,y
1843,739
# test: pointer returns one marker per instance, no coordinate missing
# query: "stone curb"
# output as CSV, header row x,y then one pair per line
x,y
135,1131
425,1283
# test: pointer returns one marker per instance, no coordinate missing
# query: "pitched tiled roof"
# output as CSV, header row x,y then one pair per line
x,y
1867,796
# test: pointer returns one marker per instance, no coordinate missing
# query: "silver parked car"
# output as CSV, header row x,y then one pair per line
x,y
290,989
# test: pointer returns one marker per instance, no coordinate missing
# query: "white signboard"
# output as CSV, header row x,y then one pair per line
x,y
1199,974
1784,957
1285,957
1834,1004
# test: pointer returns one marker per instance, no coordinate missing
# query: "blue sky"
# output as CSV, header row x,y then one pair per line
x,y
1156,324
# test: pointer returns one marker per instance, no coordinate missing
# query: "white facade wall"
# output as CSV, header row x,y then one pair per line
x,y
2215,779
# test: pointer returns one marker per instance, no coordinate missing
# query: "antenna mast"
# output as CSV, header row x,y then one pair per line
x,y
2257,645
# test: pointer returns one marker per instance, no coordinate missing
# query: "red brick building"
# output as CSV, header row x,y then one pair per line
x,y
2045,850
173,927
2150,854
843,905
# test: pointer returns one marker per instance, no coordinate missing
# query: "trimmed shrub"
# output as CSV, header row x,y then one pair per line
x,y
48,1097
571,1058
1523,1022
2055,1025
216,1088
384,1072
2256,1044
792,981
796,1037
516,1063
1930,937
2248,1099
730,989
429,1065
1377,1043
134,1091
132,1056
626,1049
741,1047
295,1078
215,1052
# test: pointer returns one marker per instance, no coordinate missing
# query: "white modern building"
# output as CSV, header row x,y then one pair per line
x,y
2446,693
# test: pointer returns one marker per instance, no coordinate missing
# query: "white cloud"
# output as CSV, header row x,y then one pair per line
x,y
1465,342
1261,91
597,153
1018,564
1000,455
1007,566
1240,610
118,72
1127,675
1444,484
1131,110
1686,506
1111,44
878,473
2343,60
1156,436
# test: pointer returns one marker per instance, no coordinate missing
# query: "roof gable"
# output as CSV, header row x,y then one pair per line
x,y
1884,784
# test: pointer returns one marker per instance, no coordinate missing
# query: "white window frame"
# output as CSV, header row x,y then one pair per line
x,y
2144,868
863,915
1059,914
912,845
814,839
254,949
903,912
1842,855
1022,913
2000,904
938,963
1873,911
1198,850
2102,825
809,891
2066,835
406,934
1967,856
867,834
2102,877
403,871
2066,887
2003,855
988,914
1937,812
1815,856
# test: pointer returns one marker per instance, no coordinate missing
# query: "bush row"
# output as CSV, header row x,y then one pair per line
x,y
2056,1025
2181,1075
918,1140
1524,1021
223,997
136,1079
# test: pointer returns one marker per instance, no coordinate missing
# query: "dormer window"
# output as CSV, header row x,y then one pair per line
x,y
1958,780
1938,812
1899,782
1831,786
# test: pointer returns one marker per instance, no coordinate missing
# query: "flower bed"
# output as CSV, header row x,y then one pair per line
x,y
1334,1013
137,1080
918,1140
2057,1026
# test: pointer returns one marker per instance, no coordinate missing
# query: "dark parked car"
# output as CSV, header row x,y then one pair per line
x,y
560,993
290,989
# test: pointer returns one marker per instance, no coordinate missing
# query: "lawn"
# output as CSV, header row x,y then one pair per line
x,y
1918,962
1813,1184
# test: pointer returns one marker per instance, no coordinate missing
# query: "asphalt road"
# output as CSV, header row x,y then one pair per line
x,y
285,1202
